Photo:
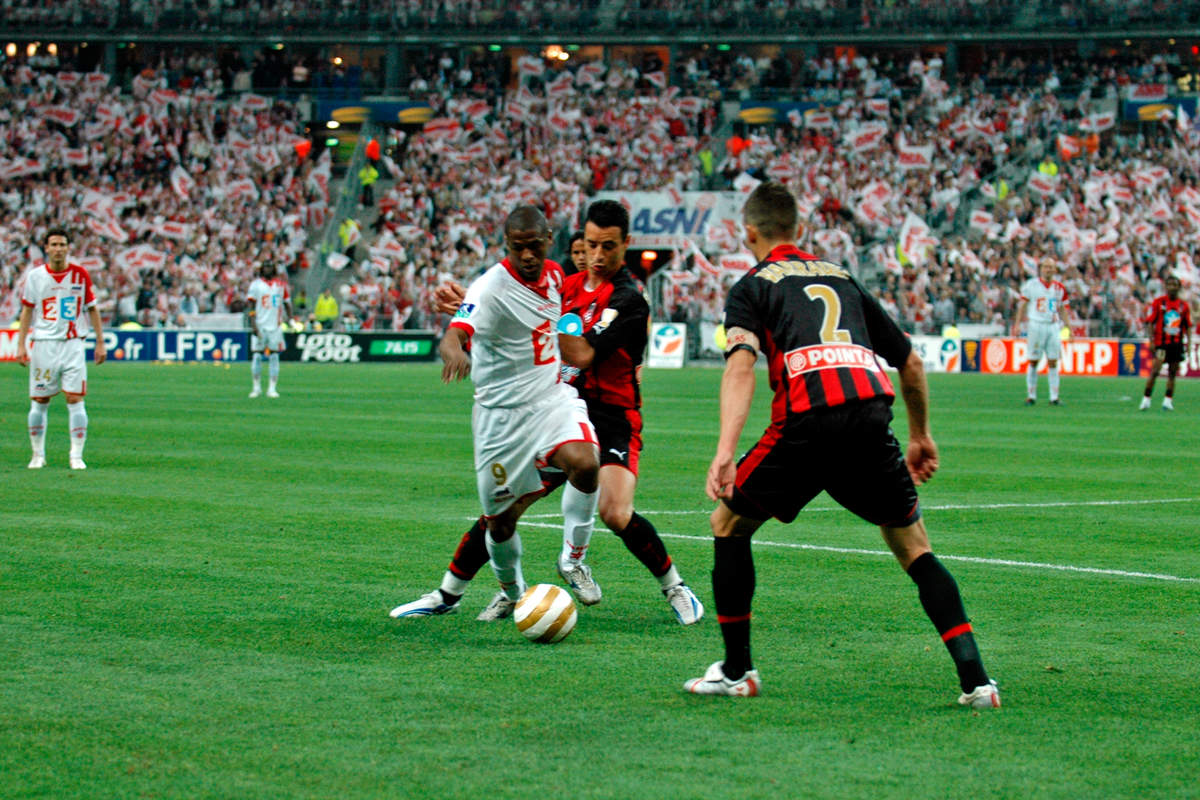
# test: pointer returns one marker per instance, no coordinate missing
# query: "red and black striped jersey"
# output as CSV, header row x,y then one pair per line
x,y
819,329
616,320
1169,320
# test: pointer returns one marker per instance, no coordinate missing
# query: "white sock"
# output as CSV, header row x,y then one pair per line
x,y
273,369
670,578
1054,383
579,519
452,584
256,369
1031,379
506,563
37,427
78,420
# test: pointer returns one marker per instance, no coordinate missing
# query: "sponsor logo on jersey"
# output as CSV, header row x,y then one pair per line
x,y
503,493
829,356
464,311
607,317
337,347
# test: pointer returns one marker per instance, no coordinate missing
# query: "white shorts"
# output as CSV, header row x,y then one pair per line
x,y
57,365
272,339
1044,340
511,444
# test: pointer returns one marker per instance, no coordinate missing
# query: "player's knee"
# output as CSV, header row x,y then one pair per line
x,y
615,515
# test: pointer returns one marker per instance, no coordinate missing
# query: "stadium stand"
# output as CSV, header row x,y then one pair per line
x,y
926,179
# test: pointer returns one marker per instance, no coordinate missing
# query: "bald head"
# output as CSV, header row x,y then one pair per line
x,y
526,219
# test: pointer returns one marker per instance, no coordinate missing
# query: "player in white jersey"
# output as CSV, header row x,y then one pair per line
x,y
54,296
1044,303
268,304
525,418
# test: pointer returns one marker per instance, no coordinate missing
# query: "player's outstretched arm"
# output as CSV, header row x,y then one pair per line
x,y
448,297
922,454
737,393
456,363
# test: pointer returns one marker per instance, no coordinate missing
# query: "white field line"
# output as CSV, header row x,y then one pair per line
x,y
528,521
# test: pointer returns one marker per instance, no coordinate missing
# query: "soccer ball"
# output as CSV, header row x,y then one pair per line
x,y
545,613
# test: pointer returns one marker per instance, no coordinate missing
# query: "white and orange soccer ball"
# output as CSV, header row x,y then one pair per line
x,y
545,613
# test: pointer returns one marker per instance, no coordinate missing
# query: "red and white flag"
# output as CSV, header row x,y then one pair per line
x,y
441,128
181,182
1043,184
173,230
1098,123
657,78
561,86
254,102
241,188
68,117
866,137
108,228
75,156
914,156
689,105
982,220
1148,92
589,73
814,118
530,65
266,158
878,106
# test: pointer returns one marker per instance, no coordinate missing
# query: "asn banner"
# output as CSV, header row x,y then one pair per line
x,y
668,345
156,345
664,219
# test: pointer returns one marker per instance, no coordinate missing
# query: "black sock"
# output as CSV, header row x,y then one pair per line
x,y
643,541
469,558
943,604
733,590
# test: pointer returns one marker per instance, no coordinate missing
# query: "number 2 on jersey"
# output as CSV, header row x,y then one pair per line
x,y
543,345
830,332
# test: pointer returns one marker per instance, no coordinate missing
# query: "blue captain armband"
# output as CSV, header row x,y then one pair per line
x,y
570,324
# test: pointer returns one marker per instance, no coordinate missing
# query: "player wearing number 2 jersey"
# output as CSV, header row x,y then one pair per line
x,y
525,418
54,297
822,334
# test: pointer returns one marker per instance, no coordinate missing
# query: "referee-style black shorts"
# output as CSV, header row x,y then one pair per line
x,y
1169,353
848,451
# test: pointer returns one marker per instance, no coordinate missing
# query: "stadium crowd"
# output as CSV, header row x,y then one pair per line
x,y
582,15
950,187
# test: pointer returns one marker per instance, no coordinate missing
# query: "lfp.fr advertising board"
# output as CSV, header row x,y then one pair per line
x,y
188,345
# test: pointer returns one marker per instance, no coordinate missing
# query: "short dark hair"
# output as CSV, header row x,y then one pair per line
x,y
609,214
577,236
772,209
526,218
56,232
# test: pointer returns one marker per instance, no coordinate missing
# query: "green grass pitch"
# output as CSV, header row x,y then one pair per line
x,y
203,612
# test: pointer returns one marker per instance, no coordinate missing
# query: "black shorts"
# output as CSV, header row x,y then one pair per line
x,y
848,451
1169,353
619,431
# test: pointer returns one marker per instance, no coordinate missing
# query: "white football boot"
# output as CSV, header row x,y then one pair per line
x,y
715,682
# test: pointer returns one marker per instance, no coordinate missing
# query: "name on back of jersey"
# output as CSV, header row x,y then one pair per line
x,y
778,270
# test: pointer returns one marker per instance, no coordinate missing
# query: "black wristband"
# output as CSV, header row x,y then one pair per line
x,y
741,346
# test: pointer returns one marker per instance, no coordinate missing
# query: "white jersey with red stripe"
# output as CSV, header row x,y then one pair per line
x,y
514,344
268,298
58,300
1046,300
